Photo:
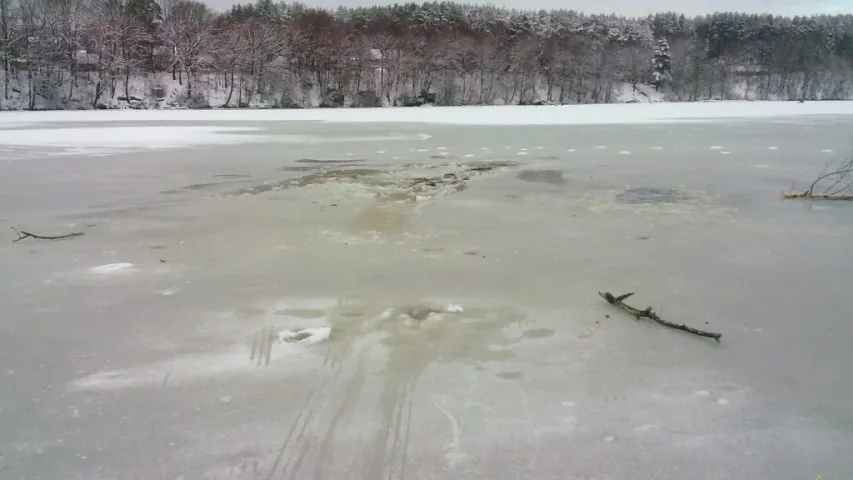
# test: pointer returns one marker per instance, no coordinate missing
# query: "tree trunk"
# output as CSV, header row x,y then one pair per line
x,y
127,84
231,90
97,93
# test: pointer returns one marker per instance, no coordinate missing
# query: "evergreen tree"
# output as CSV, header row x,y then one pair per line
x,y
661,64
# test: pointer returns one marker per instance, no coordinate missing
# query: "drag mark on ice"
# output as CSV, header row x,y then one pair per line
x,y
452,454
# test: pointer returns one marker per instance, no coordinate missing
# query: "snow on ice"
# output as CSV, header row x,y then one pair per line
x,y
498,115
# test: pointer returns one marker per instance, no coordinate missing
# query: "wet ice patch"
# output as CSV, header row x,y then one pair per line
x,y
725,153
826,150
715,147
722,401
657,148
468,155
624,152
522,153
111,268
772,148
553,177
601,147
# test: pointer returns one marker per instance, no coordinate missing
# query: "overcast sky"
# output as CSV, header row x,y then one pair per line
x,y
625,7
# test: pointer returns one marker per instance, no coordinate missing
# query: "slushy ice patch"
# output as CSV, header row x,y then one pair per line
x,y
652,196
552,177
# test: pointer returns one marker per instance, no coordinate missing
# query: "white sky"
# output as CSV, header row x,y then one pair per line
x,y
626,7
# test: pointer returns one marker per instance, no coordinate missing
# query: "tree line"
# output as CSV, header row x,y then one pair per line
x,y
88,53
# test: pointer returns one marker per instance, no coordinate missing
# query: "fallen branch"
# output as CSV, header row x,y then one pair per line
x,y
648,313
22,235
836,184
816,196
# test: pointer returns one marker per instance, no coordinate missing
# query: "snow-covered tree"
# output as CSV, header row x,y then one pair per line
x,y
661,64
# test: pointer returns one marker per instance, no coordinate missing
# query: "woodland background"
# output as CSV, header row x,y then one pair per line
x,y
78,54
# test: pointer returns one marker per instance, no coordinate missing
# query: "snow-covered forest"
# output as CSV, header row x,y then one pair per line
x,y
144,54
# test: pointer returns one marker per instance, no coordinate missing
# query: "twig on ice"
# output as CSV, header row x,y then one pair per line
x,y
839,188
22,235
617,301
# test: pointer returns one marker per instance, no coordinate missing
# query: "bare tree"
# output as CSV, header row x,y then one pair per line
x,y
188,31
113,39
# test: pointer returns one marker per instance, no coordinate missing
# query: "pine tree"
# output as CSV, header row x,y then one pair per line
x,y
661,64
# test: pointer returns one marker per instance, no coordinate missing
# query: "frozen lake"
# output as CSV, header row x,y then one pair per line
x,y
149,347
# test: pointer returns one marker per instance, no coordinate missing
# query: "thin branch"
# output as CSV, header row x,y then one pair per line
x,y
22,235
840,183
617,301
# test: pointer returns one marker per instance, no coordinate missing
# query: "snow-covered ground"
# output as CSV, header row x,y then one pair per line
x,y
604,114
413,293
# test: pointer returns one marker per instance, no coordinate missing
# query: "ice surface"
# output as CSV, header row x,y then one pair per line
x,y
111,268
114,364
305,335
132,137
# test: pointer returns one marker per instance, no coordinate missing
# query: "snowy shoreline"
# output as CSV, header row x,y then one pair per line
x,y
595,114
